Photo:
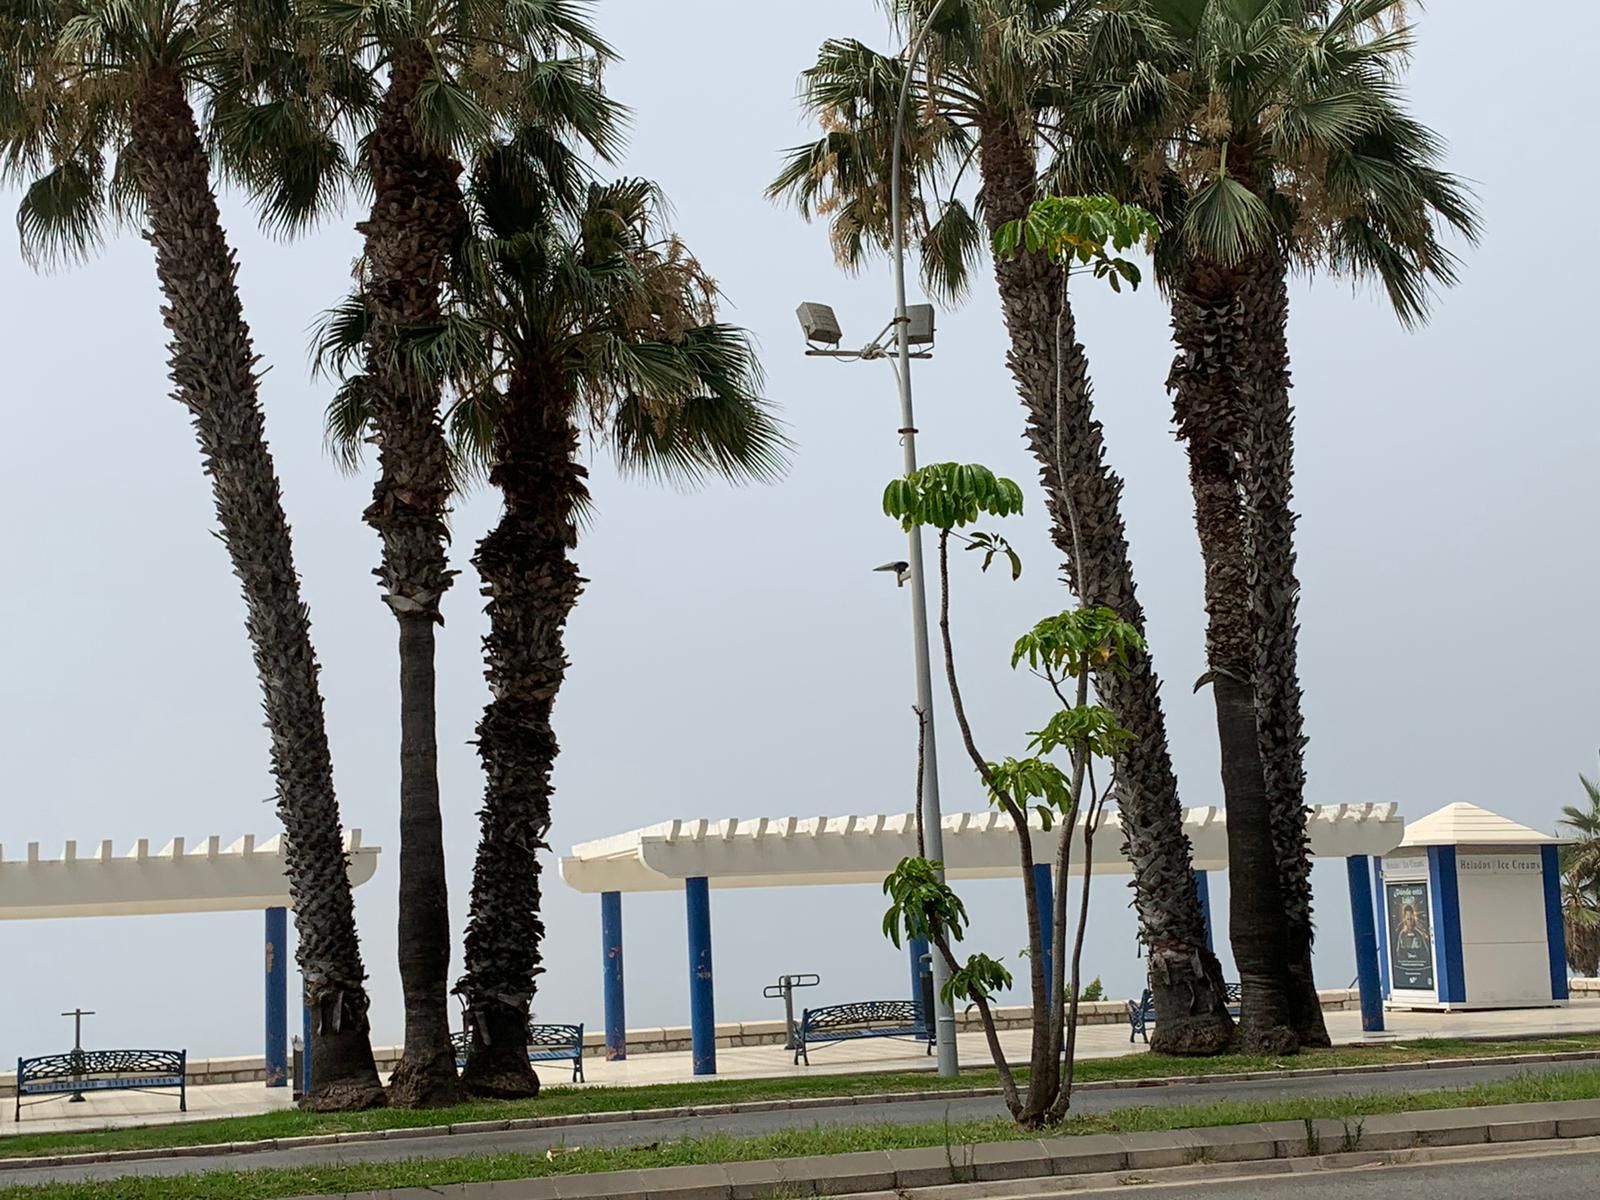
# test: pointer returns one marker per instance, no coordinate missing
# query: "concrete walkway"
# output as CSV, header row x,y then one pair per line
x,y
122,1109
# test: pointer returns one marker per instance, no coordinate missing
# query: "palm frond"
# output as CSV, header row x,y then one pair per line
x,y
61,216
1226,220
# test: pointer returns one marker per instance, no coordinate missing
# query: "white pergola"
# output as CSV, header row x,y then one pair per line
x,y
178,878
207,877
698,855
803,851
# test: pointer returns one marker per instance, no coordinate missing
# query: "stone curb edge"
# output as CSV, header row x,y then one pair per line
x,y
894,1172
623,1116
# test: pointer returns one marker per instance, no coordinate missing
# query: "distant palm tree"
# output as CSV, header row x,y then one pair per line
x,y
1580,881
586,316
986,107
98,120
1269,136
457,73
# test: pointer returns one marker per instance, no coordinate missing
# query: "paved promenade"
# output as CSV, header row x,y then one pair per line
x,y
758,1062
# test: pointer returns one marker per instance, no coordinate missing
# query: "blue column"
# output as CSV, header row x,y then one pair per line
x,y
611,947
1365,926
277,1007
702,1001
1554,927
306,1024
916,952
1047,913
1202,891
1450,976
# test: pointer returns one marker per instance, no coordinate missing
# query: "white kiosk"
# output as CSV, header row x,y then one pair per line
x,y
1469,915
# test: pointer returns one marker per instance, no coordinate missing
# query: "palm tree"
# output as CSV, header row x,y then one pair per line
x,y
987,98
98,118
587,315
1271,135
457,72
1580,881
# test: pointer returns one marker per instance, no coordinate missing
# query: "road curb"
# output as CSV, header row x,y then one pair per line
x,y
624,1116
1290,1146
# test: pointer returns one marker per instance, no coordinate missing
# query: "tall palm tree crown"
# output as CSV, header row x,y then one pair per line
x,y
98,121
986,112
458,74
1270,136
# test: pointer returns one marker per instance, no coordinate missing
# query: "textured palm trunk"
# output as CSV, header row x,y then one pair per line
x,y
1274,591
1067,440
213,372
532,585
1210,401
416,215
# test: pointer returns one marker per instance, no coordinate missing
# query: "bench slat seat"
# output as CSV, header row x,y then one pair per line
x,y
546,1043
863,1019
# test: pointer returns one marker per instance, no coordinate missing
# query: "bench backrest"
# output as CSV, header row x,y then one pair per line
x,y
555,1036
93,1064
863,1013
568,1037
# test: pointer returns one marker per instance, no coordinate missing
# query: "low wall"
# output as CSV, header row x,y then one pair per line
x,y
649,1040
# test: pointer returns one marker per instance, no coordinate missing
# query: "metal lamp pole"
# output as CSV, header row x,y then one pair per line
x,y
932,827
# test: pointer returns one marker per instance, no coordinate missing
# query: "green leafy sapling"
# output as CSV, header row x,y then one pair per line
x,y
1053,788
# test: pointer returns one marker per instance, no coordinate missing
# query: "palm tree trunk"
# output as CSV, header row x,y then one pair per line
x,y
1268,480
1209,399
416,215
213,372
532,585
1067,440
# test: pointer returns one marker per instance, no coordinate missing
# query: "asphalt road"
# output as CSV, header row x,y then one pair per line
x,y
1559,1176
755,1123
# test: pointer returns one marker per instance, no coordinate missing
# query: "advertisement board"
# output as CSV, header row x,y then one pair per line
x,y
1410,937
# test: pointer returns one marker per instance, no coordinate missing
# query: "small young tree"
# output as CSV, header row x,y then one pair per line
x,y
1038,792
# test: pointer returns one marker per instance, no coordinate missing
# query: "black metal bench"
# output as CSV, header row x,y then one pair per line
x,y
1142,1015
865,1019
546,1043
52,1076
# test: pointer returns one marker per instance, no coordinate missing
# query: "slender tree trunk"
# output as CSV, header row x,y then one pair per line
x,y
213,371
532,585
1185,978
1274,591
1207,379
416,215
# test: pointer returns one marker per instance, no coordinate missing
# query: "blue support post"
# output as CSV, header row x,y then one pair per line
x,y
1554,926
306,1024
277,998
1449,975
702,1000
1365,926
611,947
917,951
1202,891
1047,911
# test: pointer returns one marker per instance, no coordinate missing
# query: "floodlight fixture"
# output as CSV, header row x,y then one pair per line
x,y
919,324
819,324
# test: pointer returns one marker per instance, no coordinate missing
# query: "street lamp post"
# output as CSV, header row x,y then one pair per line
x,y
910,324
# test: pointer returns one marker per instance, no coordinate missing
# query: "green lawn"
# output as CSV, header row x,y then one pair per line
x,y
568,1100
326,1180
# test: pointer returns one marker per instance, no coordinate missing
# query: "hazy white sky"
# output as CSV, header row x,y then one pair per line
x,y
733,654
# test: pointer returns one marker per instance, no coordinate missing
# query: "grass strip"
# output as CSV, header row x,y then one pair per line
x,y
560,1101
274,1184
